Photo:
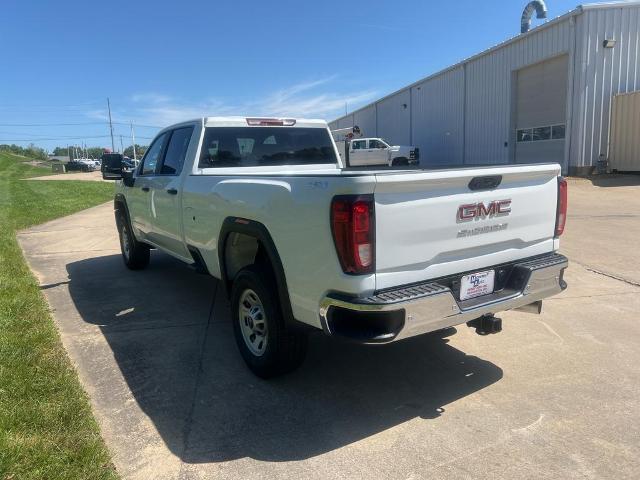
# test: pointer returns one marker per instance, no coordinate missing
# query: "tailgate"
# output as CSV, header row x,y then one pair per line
x,y
419,234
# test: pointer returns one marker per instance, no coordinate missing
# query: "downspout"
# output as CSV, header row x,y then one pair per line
x,y
571,89
537,6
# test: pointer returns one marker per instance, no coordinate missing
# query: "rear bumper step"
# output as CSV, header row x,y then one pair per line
x,y
412,310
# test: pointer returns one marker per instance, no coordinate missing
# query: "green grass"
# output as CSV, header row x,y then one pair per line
x,y
47,430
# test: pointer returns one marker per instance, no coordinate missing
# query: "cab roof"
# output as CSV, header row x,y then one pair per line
x,y
268,121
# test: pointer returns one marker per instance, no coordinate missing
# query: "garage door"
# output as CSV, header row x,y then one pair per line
x,y
625,141
541,108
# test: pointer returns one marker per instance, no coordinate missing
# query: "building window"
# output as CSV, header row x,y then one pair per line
x,y
525,135
539,134
558,132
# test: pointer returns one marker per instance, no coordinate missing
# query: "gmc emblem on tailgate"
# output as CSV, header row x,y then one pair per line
x,y
480,211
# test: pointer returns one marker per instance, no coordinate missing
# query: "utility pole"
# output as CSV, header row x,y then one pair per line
x,y
113,146
133,141
121,146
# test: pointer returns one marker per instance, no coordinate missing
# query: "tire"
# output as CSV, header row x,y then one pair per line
x,y
134,253
267,345
401,161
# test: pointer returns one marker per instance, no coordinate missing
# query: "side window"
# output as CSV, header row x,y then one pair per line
x,y
176,151
152,157
376,144
358,144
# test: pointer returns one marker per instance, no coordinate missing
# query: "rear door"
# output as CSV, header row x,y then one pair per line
x,y
358,153
433,224
165,199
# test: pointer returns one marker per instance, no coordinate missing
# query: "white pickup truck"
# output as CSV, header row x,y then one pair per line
x,y
362,152
302,243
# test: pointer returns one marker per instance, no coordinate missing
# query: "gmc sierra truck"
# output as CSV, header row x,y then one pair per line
x,y
302,243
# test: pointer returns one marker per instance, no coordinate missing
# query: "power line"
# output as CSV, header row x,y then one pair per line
x,y
75,137
72,124
63,105
49,124
113,148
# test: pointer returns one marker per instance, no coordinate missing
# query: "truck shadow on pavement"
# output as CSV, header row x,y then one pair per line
x,y
175,348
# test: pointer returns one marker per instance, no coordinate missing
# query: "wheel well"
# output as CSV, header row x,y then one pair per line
x,y
244,242
240,251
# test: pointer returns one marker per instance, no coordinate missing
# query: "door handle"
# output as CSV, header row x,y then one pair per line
x,y
145,189
172,191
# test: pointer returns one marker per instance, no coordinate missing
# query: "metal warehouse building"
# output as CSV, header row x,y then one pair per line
x,y
545,95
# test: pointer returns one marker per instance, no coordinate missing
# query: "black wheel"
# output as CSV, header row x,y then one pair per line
x,y
134,254
402,161
267,346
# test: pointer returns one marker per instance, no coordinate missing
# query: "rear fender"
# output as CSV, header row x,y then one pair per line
x,y
260,232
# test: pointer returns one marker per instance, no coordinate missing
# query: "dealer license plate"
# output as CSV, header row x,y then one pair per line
x,y
477,284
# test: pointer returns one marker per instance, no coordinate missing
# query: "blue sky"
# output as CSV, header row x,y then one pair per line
x,y
165,61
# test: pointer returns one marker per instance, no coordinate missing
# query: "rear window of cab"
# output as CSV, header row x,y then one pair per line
x,y
224,147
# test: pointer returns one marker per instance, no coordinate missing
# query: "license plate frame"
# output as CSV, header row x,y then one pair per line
x,y
477,284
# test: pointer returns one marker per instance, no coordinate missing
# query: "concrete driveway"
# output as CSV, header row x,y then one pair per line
x,y
554,396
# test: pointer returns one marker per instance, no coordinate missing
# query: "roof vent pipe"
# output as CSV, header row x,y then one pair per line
x,y
537,6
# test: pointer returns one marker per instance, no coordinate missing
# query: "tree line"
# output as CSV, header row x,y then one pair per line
x,y
38,153
30,151
96,152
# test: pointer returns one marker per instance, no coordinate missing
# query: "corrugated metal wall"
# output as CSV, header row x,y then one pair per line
x,y
394,118
345,122
466,114
625,138
366,120
490,81
600,73
437,108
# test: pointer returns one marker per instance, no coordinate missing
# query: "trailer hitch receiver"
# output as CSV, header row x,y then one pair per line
x,y
487,324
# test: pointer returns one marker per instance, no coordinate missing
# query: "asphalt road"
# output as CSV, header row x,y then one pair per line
x,y
554,396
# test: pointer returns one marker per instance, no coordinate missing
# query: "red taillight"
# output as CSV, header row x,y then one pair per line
x,y
561,213
352,223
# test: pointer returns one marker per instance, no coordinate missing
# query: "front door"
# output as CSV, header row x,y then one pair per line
x,y
377,153
165,198
138,199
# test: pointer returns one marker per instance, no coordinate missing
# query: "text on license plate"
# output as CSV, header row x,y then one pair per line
x,y
477,284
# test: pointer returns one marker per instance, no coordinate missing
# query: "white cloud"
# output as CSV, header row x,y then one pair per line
x,y
150,97
320,98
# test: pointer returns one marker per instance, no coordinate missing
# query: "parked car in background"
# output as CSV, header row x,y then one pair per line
x,y
129,163
117,161
81,165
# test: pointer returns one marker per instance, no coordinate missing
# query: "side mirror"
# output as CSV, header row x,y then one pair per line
x,y
111,167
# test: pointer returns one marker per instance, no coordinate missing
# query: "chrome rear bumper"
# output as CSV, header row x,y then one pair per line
x,y
405,312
